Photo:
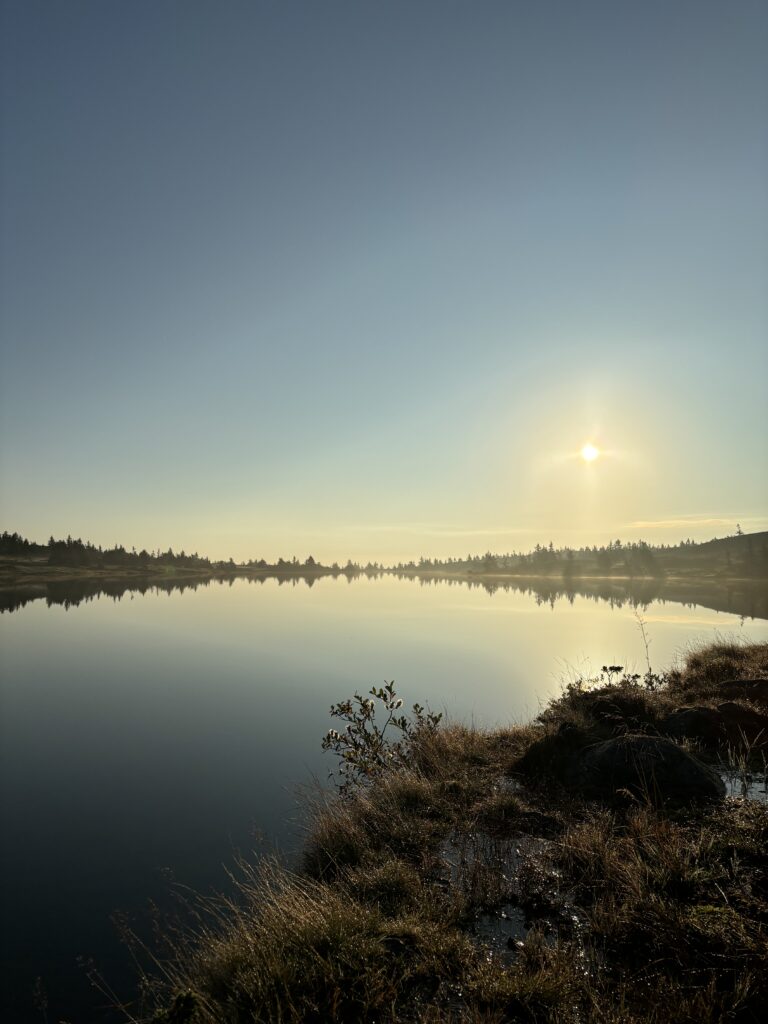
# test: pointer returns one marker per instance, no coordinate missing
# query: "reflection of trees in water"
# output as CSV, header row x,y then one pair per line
x,y
70,593
746,599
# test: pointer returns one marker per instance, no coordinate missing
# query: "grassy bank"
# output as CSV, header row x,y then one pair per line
x,y
469,878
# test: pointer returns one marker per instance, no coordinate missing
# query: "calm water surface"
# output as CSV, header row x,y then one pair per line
x,y
153,737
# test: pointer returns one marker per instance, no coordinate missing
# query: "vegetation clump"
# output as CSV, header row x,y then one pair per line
x,y
458,877
364,749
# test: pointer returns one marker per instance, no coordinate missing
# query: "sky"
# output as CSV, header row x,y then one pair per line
x,y
360,279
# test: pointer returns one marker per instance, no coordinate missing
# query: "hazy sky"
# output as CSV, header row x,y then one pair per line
x,y
361,278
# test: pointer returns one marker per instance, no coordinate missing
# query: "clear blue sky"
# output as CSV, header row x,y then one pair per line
x,y
362,278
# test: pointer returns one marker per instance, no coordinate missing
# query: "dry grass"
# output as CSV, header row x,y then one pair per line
x,y
706,669
679,903
290,949
403,816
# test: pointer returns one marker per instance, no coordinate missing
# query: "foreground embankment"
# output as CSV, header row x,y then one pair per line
x,y
588,867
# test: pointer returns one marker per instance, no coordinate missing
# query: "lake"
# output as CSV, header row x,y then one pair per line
x,y
150,738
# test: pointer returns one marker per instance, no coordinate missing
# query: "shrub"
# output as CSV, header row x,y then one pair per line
x,y
365,748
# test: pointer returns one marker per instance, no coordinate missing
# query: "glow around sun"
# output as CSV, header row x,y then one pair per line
x,y
589,453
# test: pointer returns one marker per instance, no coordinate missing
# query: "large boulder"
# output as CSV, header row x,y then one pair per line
x,y
652,768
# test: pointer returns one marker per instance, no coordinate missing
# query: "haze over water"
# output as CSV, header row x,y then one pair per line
x,y
157,735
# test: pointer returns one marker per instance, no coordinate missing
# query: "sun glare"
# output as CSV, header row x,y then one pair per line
x,y
589,453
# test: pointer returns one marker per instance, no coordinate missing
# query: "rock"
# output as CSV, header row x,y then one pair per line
x,y
743,724
727,723
755,690
651,767
700,723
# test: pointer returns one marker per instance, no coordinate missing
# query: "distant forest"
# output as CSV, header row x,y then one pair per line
x,y
742,555
79,553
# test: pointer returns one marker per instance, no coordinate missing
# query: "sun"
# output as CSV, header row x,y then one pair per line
x,y
589,453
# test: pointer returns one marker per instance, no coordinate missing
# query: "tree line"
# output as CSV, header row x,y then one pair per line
x,y
742,554
76,552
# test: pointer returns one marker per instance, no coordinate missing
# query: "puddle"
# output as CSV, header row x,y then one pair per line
x,y
501,932
485,869
752,786
462,852
512,889
508,784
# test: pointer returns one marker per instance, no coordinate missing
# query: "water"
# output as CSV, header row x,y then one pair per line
x,y
155,736
743,783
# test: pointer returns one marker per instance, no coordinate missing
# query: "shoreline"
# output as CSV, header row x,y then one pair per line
x,y
15,572
512,875
24,580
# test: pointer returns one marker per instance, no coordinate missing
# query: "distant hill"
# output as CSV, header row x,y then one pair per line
x,y
747,552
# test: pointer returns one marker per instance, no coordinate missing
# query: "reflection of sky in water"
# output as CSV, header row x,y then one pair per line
x,y
749,783
160,731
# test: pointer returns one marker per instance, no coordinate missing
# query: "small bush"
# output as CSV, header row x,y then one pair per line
x,y
363,747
